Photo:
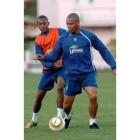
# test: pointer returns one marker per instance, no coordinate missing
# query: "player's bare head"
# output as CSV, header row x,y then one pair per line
x,y
73,23
42,17
74,16
43,23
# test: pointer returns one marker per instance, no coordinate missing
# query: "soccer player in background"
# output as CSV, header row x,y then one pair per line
x,y
44,44
76,48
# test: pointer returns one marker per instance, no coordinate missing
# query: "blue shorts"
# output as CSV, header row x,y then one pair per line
x,y
74,84
49,77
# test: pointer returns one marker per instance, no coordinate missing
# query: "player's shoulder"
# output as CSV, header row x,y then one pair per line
x,y
38,38
88,33
61,29
53,28
58,29
64,35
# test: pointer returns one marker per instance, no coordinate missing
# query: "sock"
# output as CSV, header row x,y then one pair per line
x,y
34,117
59,112
91,121
68,116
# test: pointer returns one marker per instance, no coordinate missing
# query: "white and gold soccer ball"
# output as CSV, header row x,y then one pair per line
x,y
56,123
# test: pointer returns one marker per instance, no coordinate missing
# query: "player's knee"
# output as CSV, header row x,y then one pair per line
x,y
93,98
66,106
60,86
39,97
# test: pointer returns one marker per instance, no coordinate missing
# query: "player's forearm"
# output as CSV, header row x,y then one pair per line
x,y
50,58
55,56
105,53
47,64
109,59
39,51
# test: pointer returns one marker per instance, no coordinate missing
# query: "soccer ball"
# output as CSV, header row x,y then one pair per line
x,y
56,123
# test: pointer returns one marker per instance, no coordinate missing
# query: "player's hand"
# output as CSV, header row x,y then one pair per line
x,y
58,64
39,57
114,72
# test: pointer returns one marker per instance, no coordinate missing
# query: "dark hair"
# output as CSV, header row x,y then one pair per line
x,y
42,17
74,15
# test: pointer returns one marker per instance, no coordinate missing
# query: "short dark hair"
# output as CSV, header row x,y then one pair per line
x,y
74,15
42,17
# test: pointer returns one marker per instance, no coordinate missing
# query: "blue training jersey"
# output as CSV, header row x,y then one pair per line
x,y
76,52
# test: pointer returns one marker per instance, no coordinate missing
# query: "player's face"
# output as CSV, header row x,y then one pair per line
x,y
72,25
43,24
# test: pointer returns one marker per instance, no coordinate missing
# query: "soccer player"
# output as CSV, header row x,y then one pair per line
x,y
44,44
75,47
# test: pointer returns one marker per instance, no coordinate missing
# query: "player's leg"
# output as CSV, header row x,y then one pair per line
x,y
90,87
67,106
38,101
73,87
60,95
45,85
93,104
36,108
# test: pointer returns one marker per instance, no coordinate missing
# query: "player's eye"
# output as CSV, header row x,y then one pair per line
x,y
69,23
45,23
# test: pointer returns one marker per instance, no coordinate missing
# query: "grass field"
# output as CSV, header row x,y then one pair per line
x,y
79,126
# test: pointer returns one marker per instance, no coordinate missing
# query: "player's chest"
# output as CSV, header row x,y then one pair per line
x,y
77,44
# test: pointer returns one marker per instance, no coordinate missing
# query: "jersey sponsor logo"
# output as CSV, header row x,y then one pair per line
x,y
49,51
74,49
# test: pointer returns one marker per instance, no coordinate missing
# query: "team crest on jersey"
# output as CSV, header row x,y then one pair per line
x,y
49,51
75,39
74,49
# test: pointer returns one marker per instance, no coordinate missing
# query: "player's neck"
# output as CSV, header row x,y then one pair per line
x,y
76,31
45,32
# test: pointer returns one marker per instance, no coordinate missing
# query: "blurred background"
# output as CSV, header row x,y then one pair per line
x,y
98,16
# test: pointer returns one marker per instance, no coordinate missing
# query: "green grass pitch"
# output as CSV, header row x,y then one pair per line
x,y
79,126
